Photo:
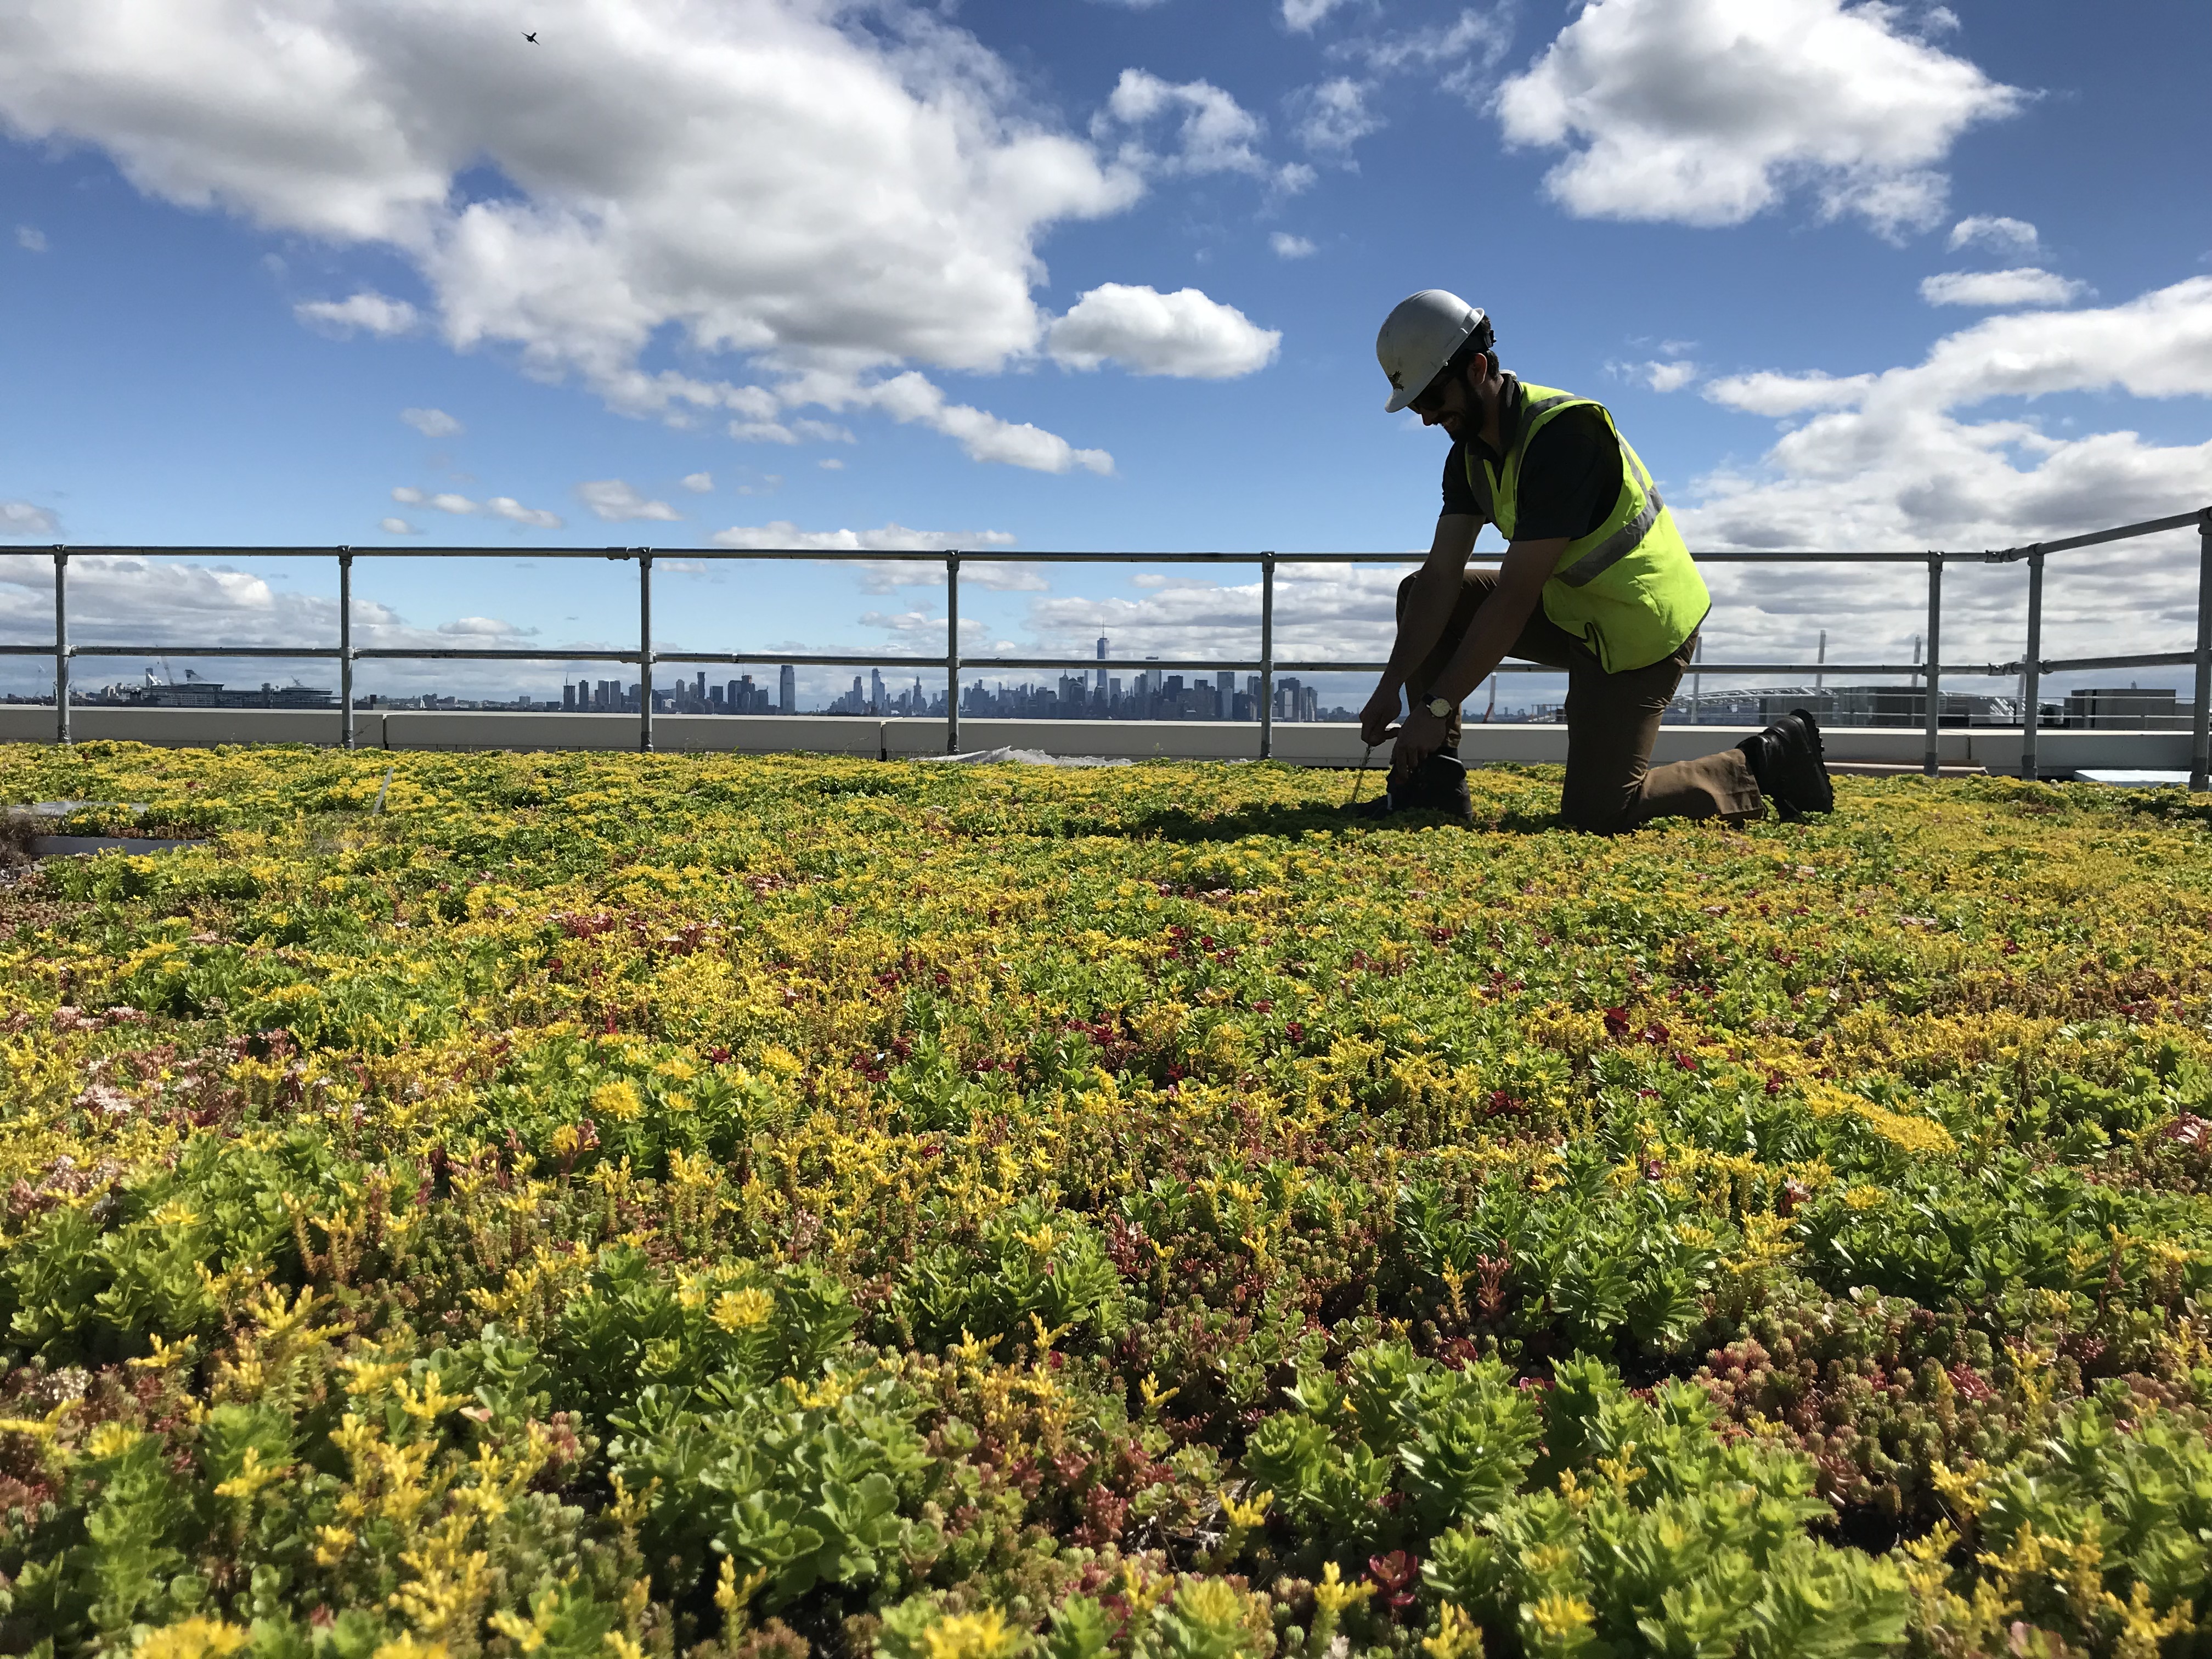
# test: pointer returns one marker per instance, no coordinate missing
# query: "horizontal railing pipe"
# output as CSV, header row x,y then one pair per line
x,y
1111,555
648,655
1072,665
2092,665
2094,539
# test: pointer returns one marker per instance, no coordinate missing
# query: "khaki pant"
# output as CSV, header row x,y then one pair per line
x,y
1613,720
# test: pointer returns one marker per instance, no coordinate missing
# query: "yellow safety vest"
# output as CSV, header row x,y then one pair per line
x,y
1629,590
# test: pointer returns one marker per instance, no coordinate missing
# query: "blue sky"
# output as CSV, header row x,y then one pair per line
x,y
1077,274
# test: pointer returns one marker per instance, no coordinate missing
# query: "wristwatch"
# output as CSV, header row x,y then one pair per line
x,y
1440,707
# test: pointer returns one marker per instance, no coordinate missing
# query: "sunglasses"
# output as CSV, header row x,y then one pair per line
x,y
1432,396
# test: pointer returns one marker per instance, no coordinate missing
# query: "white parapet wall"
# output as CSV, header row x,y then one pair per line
x,y
1328,743
190,728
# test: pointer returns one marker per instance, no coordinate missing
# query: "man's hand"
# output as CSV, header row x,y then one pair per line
x,y
1420,737
1375,719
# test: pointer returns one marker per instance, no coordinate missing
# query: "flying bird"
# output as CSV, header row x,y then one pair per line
x,y
531,38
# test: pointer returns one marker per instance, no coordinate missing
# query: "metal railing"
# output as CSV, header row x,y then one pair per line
x,y
2031,666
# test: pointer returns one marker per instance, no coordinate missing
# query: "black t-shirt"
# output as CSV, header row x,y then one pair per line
x,y
1570,476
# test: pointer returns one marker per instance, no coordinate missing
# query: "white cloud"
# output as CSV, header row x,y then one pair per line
x,y
1889,460
1454,54
432,423
1766,392
22,518
830,463
912,398
372,313
1659,376
1321,611
910,622
396,528
699,484
614,501
2158,345
2025,286
1301,15
506,506
499,507
814,389
773,179
1994,231
1333,115
997,577
890,538
1183,333
763,432
1709,112
1213,133
31,239
1287,246
484,628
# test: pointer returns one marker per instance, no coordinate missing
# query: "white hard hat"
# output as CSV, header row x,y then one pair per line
x,y
1418,339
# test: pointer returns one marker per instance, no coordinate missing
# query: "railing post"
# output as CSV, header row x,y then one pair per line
x,y
61,646
345,647
1266,656
2031,674
2200,750
951,653
1931,761
644,652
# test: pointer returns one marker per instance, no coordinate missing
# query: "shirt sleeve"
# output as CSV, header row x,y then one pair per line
x,y
1570,478
1459,494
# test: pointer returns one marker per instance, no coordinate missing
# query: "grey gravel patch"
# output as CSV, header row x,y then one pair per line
x,y
62,809
2134,779
1025,757
68,846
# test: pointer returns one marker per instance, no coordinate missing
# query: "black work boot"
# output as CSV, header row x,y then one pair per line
x,y
1438,784
1791,766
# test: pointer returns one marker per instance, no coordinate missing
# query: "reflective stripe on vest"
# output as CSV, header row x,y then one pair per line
x,y
1617,546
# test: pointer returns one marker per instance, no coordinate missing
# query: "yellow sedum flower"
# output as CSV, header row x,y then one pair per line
x,y
983,1635
618,1100
196,1637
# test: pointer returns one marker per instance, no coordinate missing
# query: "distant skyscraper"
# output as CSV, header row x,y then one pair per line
x,y
1102,657
875,690
787,688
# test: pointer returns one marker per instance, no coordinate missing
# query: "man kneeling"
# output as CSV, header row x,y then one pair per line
x,y
1596,580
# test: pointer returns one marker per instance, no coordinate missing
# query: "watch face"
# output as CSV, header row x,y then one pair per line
x,y
1440,707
